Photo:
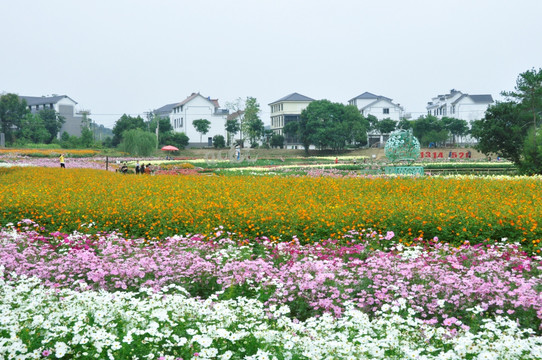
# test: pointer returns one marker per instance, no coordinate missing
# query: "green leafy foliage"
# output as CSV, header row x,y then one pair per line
x,y
330,125
502,131
219,142
202,126
138,142
12,111
125,123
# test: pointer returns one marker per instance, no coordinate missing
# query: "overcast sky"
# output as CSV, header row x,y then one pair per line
x,y
132,56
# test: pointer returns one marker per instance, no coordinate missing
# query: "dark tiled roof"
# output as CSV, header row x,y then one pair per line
x,y
41,100
485,98
293,97
166,109
370,96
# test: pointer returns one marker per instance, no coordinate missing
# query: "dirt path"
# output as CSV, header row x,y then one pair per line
x,y
287,153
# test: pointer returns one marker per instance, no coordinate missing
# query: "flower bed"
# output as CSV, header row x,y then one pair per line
x,y
77,296
310,208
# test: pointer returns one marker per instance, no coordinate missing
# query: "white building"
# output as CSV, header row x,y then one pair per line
x,y
379,106
197,107
63,105
285,110
460,106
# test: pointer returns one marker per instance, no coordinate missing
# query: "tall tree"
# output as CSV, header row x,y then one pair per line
x,y
252,125
138,142
180,140
164,125
456,127
232,127
32,129
528,92
277,141
386,126
126,122
53,122
12,111
357,126
404,124
428,129
237,111
325,124
87,137
502,131
202,126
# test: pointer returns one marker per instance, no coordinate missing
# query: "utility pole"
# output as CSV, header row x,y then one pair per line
x,y
157,130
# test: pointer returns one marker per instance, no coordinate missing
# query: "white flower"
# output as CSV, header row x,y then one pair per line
x,y
61,349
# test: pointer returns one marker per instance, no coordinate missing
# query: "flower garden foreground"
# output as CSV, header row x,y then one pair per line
x,y
261,286
98,296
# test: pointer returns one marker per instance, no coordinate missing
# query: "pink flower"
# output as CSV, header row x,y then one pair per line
x,y
450,321
46,353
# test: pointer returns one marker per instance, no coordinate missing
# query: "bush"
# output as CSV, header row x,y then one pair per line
x,y
138,142
219,142
277,141
532,154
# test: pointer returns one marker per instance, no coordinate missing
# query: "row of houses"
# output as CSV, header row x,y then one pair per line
x,y
284,110
63,105
455,104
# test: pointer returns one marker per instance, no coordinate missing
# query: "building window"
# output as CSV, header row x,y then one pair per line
x,y
385,110
181,124
453,109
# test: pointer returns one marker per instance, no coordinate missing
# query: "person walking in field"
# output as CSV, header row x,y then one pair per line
x,y
62,163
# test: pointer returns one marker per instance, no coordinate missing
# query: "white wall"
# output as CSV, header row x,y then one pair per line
x,y
198,108
468,110
377,109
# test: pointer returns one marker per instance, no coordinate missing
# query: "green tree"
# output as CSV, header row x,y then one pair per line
x,y
428,129
331,125
53,122
219,142
532,153
12,111
373,121
177,139
312,124
291,128
126,123
68,141
164,125
238,113
252,125
138,142
232,128
502,131
528,92
386,126
87,137
404,124
277,141
456,127
202,126
32,129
